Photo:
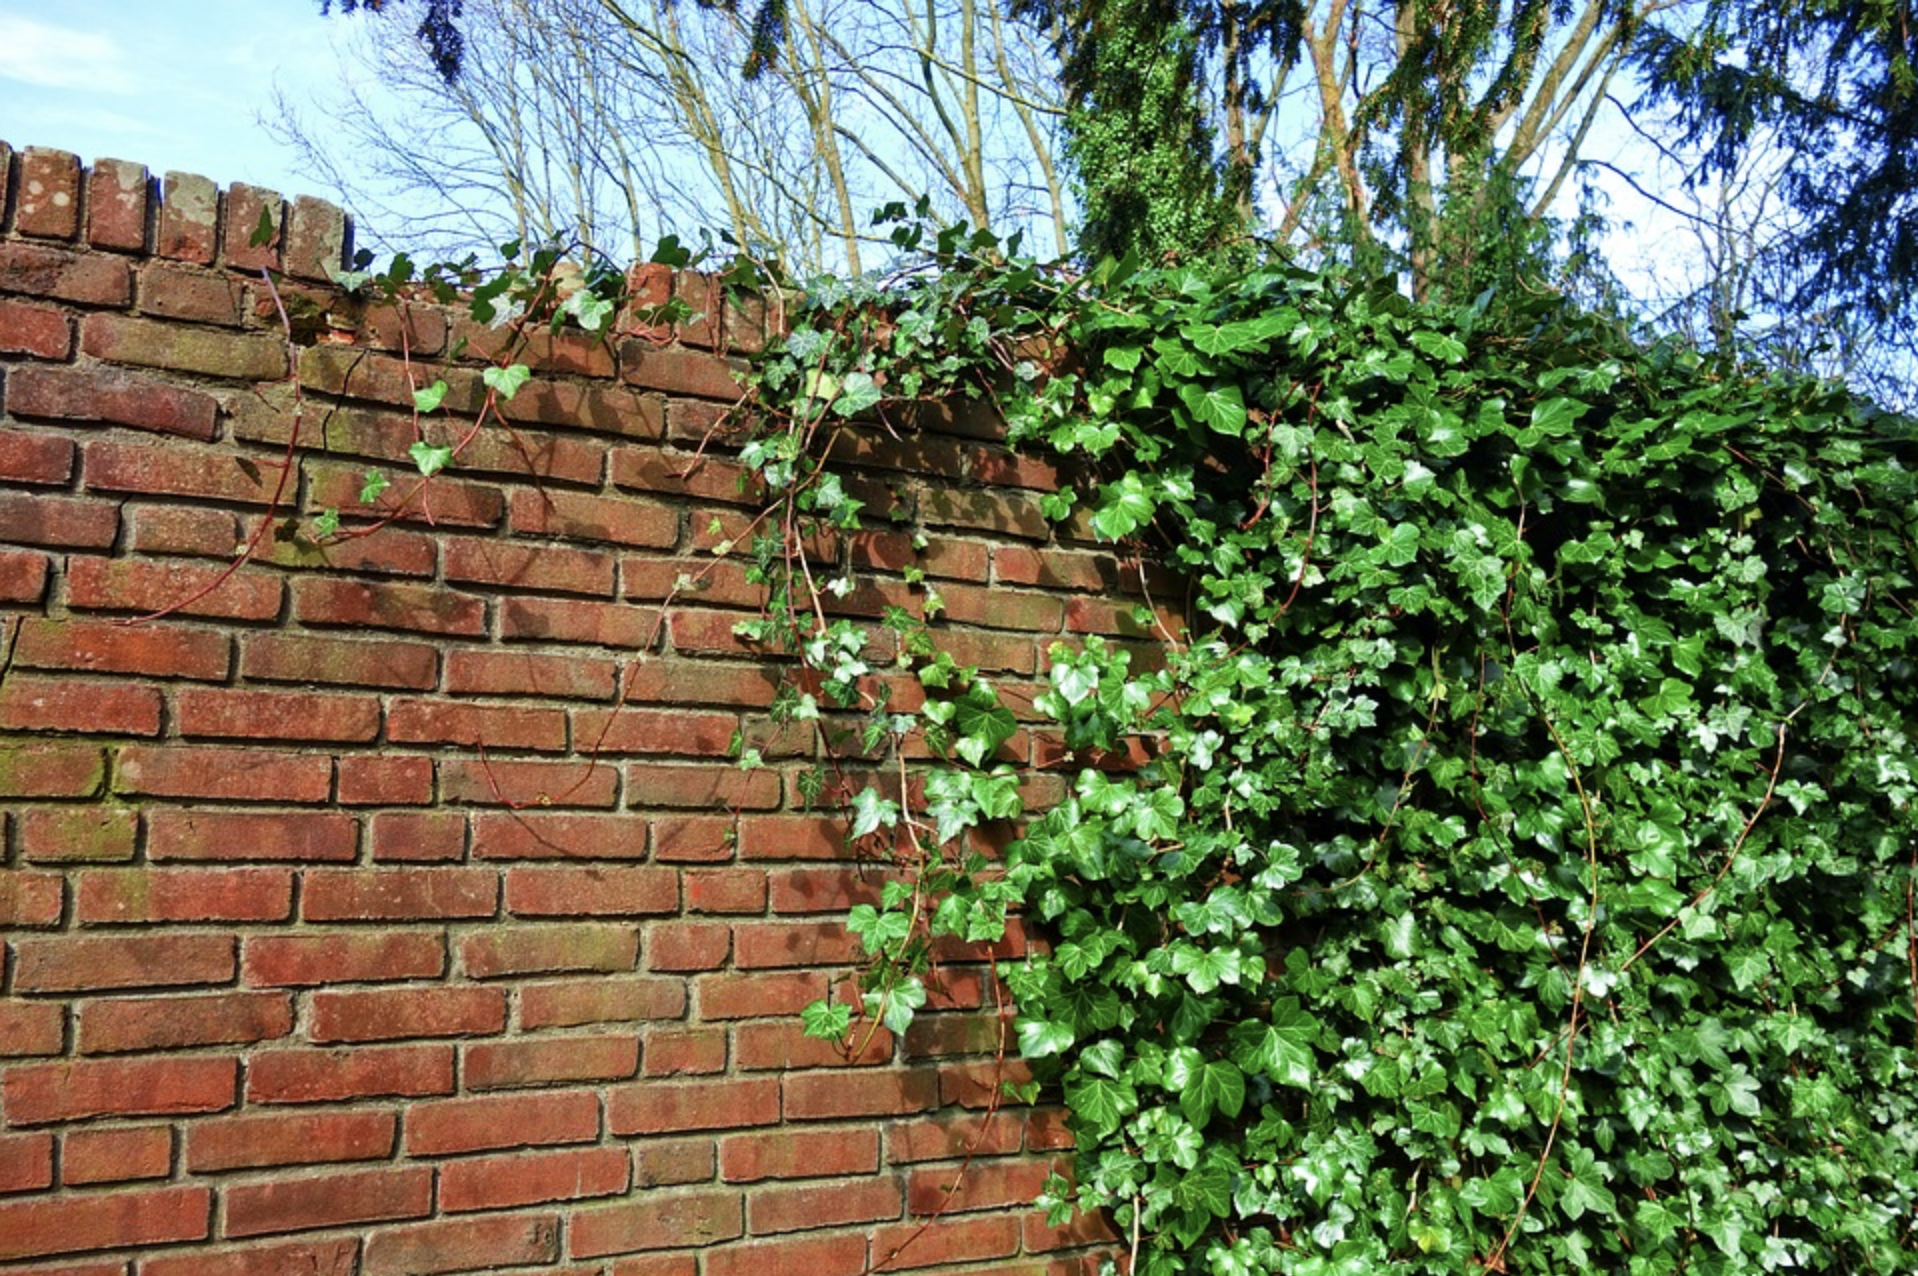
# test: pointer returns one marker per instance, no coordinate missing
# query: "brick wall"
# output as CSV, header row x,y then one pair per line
x,y
394,906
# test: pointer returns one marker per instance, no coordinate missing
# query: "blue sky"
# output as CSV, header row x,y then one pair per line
x,y
172,84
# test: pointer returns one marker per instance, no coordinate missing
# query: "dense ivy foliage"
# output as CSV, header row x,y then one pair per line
x,y
1521,874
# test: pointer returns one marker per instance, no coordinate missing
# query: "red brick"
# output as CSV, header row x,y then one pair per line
x,y
46,769
1046,1130
658,1107
173,471
99,584
73,964
460,1245
669,472
915,1244
757,995
585,354
980,1185
47,198
532,835
390,552
66,1225
672,1162
189,218
308,837
338,1257
951,1138
172,290
571,1003
40,331
303,658
487,782
306,961
775,944
695,839
813,1096
122,1025
184,895
418,837
31,458
675,371
30,899
792,837
687,946
386,780
666,1220
523,673
155,343
326,1076
838,1255
268,715
160,651
74,1090
591,892
361,1196
117,197
316,237
31,1028
475,726
246,207
663,680
518,1064
725,890
28,703
385,605
658,731
115,396
574,620
256,775
23,577
519,950
246,1142
824,890
600,520
532,567
453,1126
26,1162
116,1155
601,409
772,1210
440,503
399,894
396,1014
781,1045
798,1154
502,1182
691,1052
92,279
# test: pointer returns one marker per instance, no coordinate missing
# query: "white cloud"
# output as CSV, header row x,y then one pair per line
x,y
42,54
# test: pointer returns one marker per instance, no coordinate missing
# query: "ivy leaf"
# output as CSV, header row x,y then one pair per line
x,y
430,398
857,393
1101,1102
826,1020
1556,416
872,812
1283,1051
371,486
1584,1188
1217,1086
1206,1190
1039,1038
1124,358
429,458
1220,408
506,381
1124,507
1439,345
982,724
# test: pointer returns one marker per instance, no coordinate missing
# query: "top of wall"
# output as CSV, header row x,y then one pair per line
x,y
116,205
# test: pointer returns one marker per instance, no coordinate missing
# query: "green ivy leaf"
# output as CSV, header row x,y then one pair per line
x,y
826,1021
1220,408
1100,1102
429,458
430,398
506,381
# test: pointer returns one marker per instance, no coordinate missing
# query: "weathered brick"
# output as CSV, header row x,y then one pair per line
x,y
78,834
675,371
591,892
573,1003
118,193
452,1126
631,730
581,354
30,899
47,204
387,605
44,769
520,950
816,1096
772,1210
681,947
156,470
158,651
501,1065
335,1200
183,530
246,1142
598,519
60,522
525,673
661,472
29,703
26,1163
317,237
781,1045
245,775
189,218
388,663
545,568
843,1254
307,961
114,396
90,279
725,890
247,209
521,785
116,1155
33,458
534,835
475,726
121,584
460,1245
797,1154
75,1090
770,945
40,331
171,290
574,620
666,1220
123,1025
388,780
73,1224
184,895
439,503
503,1182
684,1052
601,409
309,837
153,343
918,1243
980,1185
267,715
23,577
672,1162
658,1107
76,964
364,1072
397,1014
31,1028
399,894
951,1138
824,890
752,996
334,1257
418,837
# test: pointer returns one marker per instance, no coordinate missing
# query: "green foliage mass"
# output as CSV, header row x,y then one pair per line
x,y
1522,876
